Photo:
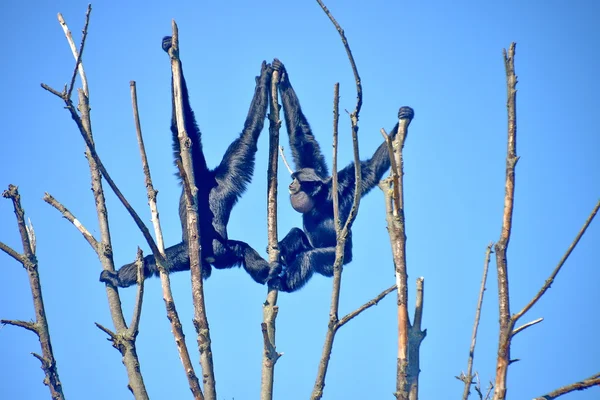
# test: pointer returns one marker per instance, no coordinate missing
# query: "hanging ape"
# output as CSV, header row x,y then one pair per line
x,y
304,252
218,191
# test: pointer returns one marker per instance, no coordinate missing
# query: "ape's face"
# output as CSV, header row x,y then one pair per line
x,y
303,189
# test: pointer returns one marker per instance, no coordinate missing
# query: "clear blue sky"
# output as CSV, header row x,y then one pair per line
x,y
443,59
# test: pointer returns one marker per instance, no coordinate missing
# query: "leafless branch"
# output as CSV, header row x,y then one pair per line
x,y
71,218
30,326
468,378
525,326
77,54
126,343
341,234
506,323
40,326
284,160
593,380
172,313
137,309
18,257
270,308
195,250
368,304
562,261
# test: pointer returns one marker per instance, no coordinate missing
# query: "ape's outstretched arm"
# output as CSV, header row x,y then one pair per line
x,y
305,149
372,170
191,127
236,169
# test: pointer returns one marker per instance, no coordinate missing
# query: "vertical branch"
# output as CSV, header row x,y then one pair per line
x,y
270,308
333,325
409,337
341,234
506,323
468,378
165,281
124,341
400,263
40,326
187,174
415,337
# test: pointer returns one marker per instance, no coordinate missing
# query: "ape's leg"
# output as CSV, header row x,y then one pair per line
x,y
293,243
300,271
177,256
238,252
236,169
305,149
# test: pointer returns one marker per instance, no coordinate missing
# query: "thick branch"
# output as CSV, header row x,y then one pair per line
x,y
506,324
195,249
270,308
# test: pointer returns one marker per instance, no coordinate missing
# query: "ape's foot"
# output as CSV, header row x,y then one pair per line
x,y
167,42
278,283
275,269
110,277
278,66
406,113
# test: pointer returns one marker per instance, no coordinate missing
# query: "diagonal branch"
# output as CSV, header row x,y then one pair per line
x,y
161,261
593,380
562,261
468,378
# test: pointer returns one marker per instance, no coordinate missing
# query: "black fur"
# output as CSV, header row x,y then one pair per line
x,y
313,249
218,191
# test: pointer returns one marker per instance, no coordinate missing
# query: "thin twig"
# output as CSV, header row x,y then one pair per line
x,y
172,314
48,198
77,54
137,309
468,378
285,160
368,304
525,326
562,261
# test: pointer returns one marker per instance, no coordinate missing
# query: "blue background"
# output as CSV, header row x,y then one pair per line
x,y
442,58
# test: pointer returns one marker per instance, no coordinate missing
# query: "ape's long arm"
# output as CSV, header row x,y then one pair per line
x,y
305,149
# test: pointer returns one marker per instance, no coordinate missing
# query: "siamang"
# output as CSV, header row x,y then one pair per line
x,y
313,249
218,191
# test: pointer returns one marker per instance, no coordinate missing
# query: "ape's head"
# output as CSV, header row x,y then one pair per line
x,y
305,188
